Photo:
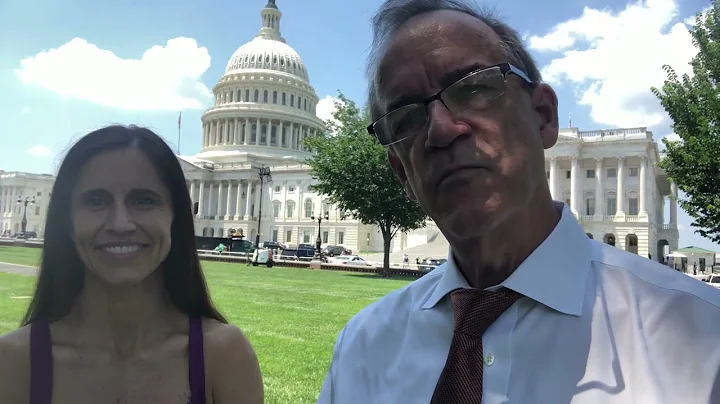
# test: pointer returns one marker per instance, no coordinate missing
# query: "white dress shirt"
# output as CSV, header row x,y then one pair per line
x,y
597,325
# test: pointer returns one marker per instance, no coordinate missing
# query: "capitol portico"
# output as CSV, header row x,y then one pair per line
x,y
612,183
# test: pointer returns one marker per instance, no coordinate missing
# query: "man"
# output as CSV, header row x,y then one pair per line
x,y
527,309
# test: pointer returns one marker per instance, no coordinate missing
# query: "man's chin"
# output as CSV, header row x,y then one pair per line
x,y
462,224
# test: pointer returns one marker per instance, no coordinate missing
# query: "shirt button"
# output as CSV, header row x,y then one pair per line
x,y
489,360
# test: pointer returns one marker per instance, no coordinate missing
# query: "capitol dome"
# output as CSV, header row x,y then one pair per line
x,y
267,54
264,103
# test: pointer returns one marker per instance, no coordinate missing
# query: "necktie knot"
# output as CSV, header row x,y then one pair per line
x,y
476,310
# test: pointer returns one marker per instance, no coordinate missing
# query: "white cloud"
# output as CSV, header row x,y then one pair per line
x,y
326,107
26,110
681,227
164,78
39,151
673,137
613,58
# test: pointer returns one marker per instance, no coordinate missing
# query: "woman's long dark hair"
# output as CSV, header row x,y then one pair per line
x,y
62,272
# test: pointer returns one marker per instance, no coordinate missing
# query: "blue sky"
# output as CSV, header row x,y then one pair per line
x,y
69,67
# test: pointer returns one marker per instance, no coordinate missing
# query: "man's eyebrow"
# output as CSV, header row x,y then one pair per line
x,y
401,102
459,72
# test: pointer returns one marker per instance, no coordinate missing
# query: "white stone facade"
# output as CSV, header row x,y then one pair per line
x,y
611,181
18,185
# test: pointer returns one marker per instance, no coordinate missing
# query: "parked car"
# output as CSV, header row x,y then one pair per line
x,y
274,245
296,254
333,250
713,280
352,260
288,254
428,264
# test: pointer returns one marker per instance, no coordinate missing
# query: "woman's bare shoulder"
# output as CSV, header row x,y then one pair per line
x,y
15,366
233,368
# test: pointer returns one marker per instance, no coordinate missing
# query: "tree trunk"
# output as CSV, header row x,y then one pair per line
x,y
386,254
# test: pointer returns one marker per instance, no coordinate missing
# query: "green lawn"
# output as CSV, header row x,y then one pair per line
x,y
290,315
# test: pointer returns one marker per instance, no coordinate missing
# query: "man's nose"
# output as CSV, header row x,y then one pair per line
x,y
443,128
120,220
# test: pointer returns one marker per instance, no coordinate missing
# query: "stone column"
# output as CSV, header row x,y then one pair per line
x,y
673,205
574,168
219,201
599,191
213,134
620,187
238,201
292,135
248,129
642,210
258,132
201,204
248,193
553,179
228,202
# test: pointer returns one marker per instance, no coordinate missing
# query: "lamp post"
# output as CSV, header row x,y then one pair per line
x,y
27,201
320,218
263,172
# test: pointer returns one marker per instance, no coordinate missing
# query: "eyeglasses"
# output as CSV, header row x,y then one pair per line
x,y
475,91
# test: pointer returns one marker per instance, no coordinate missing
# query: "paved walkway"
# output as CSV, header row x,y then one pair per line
x,y
18,269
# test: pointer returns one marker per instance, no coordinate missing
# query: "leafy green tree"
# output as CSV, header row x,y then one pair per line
x,y
353,172
693,103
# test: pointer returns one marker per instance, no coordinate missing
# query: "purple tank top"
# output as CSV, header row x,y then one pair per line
x,y
41,362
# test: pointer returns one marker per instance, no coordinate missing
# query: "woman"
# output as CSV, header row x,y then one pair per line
x,y
121,311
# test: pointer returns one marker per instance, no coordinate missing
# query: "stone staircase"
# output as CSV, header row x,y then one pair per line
x,y
436,247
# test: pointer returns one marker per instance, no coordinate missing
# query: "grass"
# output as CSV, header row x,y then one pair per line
x,y
291,316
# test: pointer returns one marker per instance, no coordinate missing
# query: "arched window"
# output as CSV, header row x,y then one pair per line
x,y
290,209
308,208
292,100
265,96
274,97
283,98
247,95
257,96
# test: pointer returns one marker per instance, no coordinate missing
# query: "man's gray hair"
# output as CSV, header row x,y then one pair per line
x,y
394,13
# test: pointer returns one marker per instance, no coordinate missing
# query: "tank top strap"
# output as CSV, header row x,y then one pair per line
x,y
41,362
196,361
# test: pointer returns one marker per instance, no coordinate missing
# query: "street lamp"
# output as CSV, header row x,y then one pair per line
x,y
264,173
27,201
319,219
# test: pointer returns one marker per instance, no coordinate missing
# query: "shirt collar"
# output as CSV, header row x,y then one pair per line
x,y
555,274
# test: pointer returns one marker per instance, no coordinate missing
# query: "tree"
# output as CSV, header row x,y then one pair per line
x,y
693,103
353,172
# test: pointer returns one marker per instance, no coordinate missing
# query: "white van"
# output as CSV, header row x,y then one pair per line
x,y
263,256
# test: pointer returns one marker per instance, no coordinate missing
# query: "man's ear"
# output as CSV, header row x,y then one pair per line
x,y
399,170
545,103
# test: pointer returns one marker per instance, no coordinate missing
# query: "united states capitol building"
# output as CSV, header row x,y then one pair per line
x,y
265,106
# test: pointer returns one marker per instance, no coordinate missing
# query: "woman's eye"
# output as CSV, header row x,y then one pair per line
x,y
145,201
94,201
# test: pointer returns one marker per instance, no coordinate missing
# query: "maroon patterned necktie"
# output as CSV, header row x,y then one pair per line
x,y
461,381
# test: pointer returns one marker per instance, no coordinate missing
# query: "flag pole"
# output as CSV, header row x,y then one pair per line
x,y
178,143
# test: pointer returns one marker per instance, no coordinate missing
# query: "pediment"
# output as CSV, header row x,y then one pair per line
x,y
189,167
